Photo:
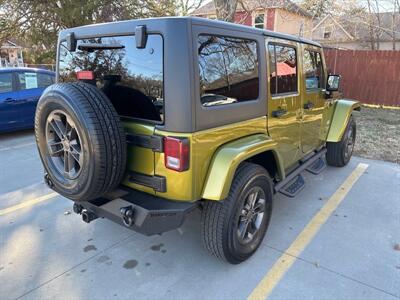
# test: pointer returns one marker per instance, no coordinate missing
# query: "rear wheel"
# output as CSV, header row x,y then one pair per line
x,y
81,141
234,228
338,154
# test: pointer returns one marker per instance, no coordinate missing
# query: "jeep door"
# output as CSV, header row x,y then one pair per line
x,y
284,100
313,91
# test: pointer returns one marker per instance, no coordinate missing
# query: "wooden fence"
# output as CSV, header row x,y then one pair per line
x,y
372,77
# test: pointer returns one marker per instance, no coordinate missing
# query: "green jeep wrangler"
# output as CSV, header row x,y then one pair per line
x,y
151,119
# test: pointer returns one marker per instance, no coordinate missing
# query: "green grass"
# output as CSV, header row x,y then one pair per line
x,y
378,134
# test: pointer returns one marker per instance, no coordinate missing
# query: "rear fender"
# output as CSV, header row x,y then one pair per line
x,y
341,115
228,157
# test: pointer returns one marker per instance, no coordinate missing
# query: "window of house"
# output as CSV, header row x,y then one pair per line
x,y
313,70
283,69
327,33
228,70
5,82
259,21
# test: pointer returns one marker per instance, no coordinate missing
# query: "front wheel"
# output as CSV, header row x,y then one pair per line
x,y
338,154
234,228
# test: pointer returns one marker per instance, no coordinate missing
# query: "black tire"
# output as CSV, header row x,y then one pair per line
x,y
338,154
81,140
222,220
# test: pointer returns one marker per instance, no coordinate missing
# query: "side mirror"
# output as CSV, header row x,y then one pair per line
x,y
333,83
141,36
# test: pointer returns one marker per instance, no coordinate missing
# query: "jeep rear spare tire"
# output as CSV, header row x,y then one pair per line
x,y
81,140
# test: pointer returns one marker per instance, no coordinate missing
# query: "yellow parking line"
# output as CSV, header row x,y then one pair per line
x,y
27,203
283,264
17,147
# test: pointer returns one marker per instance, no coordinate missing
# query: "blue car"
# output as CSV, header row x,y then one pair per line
x,y
20,90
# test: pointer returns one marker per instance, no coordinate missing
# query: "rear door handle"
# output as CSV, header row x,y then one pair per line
x,y
279,113
9,100
309,105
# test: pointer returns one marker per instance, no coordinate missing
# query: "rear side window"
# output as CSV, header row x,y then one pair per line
x,y
283,69
5,82
313,70
228,70
33,80
44,80
132,78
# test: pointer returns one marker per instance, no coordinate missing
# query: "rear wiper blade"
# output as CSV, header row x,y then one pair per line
x,y
97,46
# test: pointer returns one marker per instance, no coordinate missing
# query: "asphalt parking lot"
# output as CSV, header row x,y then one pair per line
x,y
335,240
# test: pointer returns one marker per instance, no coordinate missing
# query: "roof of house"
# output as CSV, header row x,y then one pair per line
x,y
250,5
9,44
358,26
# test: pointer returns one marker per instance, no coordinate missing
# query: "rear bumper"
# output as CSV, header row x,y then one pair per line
x,y
147,214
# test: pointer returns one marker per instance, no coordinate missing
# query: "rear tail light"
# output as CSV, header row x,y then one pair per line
x,y
85,75
176,153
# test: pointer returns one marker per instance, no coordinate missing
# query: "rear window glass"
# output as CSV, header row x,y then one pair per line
x,y
132,78
228,70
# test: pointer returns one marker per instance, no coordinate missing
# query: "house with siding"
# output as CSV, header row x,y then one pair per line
x,y
276,15
11,55
359,32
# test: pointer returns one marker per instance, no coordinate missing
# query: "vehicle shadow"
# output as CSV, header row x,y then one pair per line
x,y
16,134
16,138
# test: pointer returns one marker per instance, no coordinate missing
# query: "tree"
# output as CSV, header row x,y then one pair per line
x,y
226,9
37,23
318,8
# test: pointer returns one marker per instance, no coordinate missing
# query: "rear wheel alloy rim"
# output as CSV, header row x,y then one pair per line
x,y
252,215
64,144
349,143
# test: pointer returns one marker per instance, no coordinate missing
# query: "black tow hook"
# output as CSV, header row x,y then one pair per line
x,y
127,215
48,181
77,208
88,216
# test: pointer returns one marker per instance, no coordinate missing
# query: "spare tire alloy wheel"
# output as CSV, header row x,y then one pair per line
x,y
64,144
81,141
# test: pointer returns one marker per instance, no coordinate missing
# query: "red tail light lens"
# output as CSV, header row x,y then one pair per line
x,y
85,75
176,153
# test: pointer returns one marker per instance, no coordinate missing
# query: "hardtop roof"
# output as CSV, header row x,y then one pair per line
x,y
97,28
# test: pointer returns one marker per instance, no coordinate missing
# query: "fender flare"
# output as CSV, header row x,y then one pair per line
x,y
228,157
341,115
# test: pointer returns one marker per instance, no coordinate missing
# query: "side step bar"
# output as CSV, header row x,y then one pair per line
x,y
304,165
